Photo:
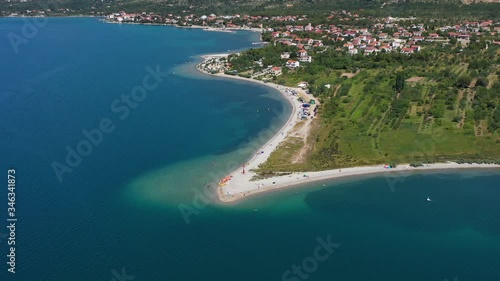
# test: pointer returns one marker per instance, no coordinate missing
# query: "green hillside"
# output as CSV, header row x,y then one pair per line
x,y
421,8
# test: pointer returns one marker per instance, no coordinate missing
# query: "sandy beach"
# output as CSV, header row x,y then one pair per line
x,y
241,186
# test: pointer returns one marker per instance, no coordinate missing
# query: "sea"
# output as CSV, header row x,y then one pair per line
x,y
113,136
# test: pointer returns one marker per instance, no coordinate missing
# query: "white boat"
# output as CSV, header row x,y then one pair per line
x,y
429,199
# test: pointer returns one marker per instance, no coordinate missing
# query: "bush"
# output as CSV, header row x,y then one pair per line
x,y
463,81
482,82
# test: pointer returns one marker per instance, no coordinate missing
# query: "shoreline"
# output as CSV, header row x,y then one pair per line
x,y
205,28
241,186
296,179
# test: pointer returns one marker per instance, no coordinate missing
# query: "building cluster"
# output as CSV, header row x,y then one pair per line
x,y
135,17
215,65
387,35
340,30
221,21
38,13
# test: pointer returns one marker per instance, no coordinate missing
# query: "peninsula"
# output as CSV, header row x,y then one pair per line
x,y
250,179
374,88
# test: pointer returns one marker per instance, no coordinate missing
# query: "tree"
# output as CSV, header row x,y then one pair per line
x,y
463,81
400,82
482,82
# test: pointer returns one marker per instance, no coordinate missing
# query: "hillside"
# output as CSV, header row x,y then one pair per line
x,y
260,7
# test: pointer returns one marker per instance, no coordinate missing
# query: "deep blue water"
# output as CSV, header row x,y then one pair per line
x,y
119,207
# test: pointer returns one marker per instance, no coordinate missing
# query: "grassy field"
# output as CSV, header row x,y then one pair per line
x,y
372,123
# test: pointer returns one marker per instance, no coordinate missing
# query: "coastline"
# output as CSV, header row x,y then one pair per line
x,y
241,186
249,188
205,28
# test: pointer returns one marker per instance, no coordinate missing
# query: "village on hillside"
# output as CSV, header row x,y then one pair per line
x,y
385,35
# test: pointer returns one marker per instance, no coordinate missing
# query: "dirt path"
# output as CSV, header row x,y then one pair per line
x,y
336,90
303,133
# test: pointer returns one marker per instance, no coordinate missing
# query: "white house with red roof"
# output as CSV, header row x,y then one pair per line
x,y
386,48
276,71
303,53
276,34
407,51
292,64
370,50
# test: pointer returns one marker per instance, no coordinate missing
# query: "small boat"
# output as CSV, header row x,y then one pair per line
x,y
429,199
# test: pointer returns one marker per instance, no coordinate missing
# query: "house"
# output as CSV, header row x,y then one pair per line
x,y
353,51
292,64
370,50
407,50
396,43
302,53
386,48
305,59
285,55
349,46
276,71
318,43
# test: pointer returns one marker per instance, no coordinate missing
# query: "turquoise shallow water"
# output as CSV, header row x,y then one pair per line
x,y
119,209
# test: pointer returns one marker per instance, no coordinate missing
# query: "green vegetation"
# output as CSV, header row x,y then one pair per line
x,y
383,115
450,9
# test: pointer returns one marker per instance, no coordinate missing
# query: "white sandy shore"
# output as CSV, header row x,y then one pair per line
x,y
241,185
206,28
213,56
